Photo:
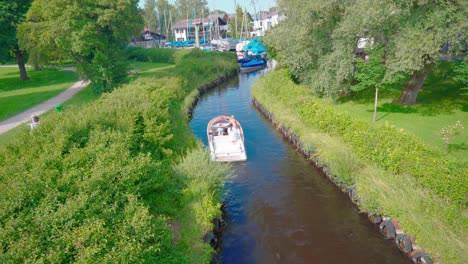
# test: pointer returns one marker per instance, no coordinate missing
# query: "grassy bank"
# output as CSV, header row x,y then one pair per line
x,y
123,179
17,96
395,174
441,102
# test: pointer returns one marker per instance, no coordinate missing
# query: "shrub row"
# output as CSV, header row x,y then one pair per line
x,y
151,55
388,147
97,184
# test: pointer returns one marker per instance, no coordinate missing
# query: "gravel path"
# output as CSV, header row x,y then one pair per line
x,y
25,116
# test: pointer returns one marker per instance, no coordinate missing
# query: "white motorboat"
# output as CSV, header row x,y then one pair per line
x,y
226,142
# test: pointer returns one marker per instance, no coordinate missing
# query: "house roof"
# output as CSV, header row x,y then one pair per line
x,y
147,35
261,15
184,22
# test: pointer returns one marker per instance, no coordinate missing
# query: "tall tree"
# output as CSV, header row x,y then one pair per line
x,y
305,44
150,16
240,24
12,13
92,32
164,8
318,40
416,44
185,7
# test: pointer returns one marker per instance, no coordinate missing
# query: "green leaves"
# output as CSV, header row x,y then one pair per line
x,y
97,184
318,40
371,73
93,33
388,147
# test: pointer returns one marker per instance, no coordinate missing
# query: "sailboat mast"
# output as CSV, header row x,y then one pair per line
x,y
171,28
256,23
167,26
235,14
203,24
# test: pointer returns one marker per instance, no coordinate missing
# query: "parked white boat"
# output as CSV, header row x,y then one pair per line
x,y
226,142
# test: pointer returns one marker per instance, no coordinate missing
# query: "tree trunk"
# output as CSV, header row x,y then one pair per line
x,y
22,67
410,93
375,103
37,67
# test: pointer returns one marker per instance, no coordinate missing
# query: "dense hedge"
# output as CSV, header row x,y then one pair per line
x,y
388,147
98,184
151,55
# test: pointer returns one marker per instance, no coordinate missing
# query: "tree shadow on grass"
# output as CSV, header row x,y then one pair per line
x,y
395,108
457,147
440,94
38,79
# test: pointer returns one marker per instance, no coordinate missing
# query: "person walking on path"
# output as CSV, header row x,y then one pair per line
x,y
25,116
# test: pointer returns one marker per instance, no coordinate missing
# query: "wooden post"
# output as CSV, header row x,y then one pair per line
x,y
375,103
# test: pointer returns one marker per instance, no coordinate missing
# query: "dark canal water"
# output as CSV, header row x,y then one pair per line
x,y
280,209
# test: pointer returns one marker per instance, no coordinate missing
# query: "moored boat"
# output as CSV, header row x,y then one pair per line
x,y
253,64
226,142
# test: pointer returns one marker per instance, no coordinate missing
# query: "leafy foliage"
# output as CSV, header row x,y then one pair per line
x,y
318,40
461,70
240,24
151,55
97,183
12,13
371,73
186,7
149,16
93,33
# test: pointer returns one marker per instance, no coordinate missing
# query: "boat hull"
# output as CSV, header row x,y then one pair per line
x,y
253,68
253,64
224,146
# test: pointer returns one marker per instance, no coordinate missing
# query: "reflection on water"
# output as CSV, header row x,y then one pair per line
x,y
279,208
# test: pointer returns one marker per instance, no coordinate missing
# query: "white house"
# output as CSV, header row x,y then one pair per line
x,y
265,20
214,27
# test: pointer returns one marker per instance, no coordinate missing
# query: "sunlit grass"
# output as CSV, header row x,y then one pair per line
x,y
440,103
417,211
17,96
202,200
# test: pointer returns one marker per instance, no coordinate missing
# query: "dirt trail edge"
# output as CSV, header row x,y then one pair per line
x,y
43,107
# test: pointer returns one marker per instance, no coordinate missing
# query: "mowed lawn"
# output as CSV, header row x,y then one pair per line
x,y
85,96
17,96
441,102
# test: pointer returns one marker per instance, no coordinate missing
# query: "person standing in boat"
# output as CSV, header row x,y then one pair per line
x,y
232,121
233,130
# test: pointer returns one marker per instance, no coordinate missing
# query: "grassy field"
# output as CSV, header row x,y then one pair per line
x,y
441,102
84,96
17,96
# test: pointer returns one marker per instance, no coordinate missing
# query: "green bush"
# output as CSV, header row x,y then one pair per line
x,y
393,173
97,184
388,147
151,55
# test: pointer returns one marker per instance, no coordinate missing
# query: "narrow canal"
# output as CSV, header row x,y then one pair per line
x,y
280,209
